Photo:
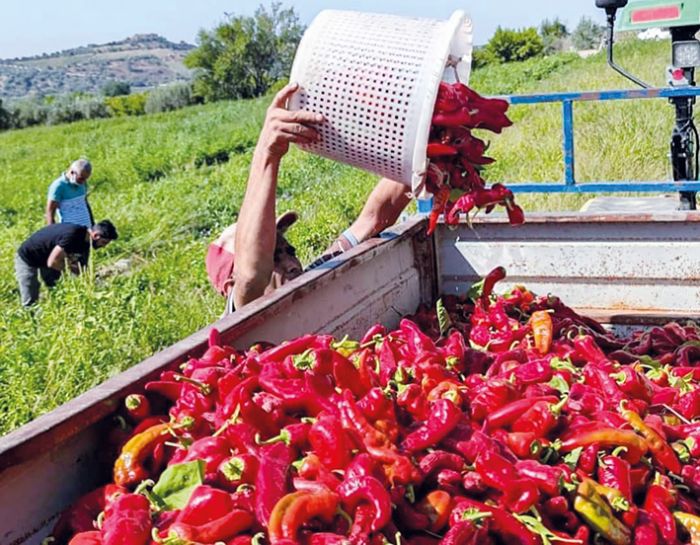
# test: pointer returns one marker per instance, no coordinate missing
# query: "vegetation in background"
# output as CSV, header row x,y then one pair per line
x,y
587,34
116,88
554,36
244,56
171,182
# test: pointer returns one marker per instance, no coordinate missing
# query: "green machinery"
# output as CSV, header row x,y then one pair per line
x,y
682,19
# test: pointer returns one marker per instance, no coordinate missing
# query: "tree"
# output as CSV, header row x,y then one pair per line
x,y
554,34
244,56
5,119
508,45
587,34
116,88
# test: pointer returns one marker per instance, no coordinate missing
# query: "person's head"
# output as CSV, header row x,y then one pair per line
x,y
102,233
221,256
287,265
79,171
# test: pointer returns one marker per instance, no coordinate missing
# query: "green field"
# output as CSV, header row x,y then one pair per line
x,y
171,182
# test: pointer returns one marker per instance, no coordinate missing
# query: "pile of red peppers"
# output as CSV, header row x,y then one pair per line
x,y
487,419
457,156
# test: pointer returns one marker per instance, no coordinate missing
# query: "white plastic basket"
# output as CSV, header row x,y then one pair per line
x,y
375,79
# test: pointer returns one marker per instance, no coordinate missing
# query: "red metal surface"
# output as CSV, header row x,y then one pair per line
x,y
660,13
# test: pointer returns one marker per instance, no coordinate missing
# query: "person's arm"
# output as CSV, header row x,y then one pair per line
x,y
51,207
381,210
255,231
57,259
89,209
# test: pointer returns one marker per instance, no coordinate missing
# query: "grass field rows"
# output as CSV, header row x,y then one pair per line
x,y
171,182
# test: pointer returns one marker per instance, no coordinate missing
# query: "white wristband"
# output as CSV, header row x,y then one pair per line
x,y
350,238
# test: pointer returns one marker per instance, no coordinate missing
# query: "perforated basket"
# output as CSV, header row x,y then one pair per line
x,y
375,78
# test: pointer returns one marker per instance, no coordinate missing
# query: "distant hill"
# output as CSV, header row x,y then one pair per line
x,y
143,60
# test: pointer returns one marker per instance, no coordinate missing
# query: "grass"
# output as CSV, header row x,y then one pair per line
x,y
171,182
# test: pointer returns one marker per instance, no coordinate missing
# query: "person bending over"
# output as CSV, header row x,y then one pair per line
x,y
50,250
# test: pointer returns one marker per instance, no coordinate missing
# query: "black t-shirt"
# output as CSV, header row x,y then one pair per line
x,y
72,238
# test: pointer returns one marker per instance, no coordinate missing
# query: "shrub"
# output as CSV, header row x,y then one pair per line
x,y
120,106
508,45
116,88
170,97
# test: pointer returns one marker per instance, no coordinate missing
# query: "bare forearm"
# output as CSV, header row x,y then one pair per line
x,y
382,209
255,231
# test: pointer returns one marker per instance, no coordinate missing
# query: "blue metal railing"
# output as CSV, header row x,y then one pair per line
x,y
570,186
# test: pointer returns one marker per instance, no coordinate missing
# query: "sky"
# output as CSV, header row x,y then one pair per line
x,y
31,27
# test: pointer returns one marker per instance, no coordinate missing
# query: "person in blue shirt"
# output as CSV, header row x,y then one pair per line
x,y
68,196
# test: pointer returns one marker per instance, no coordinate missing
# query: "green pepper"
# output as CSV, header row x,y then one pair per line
x,y
597,514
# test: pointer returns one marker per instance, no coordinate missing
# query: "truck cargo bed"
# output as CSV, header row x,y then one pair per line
x,y
623,270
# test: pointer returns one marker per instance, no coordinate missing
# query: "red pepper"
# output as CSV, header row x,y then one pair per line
x,y
443,418
437,149
93,537
615,472
439,203
462,533
437,506
539,419
127,521
271,481
549,479
205,504
501,522
367,488
137,406
329,441
219,529
645,531
507,414
519,493
80,516
236,470
658,504
294,510
437,460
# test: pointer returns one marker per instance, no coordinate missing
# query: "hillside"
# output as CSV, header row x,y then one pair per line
x,y
171,182
143,60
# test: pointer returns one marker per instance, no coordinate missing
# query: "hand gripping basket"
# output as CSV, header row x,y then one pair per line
x,y
375,79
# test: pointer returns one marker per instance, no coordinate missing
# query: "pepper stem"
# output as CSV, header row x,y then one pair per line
x,y
233,468
205,389
283,436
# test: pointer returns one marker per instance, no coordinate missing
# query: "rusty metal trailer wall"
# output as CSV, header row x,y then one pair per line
x,y
48,463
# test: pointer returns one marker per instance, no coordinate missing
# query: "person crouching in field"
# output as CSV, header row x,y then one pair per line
x,y
50,249
68,196
264,260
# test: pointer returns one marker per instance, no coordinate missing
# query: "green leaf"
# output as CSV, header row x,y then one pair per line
x,y
476,290
444,320
177,483
571,459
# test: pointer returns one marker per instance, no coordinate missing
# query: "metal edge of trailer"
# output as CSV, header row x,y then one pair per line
x,y
50,461
622,269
